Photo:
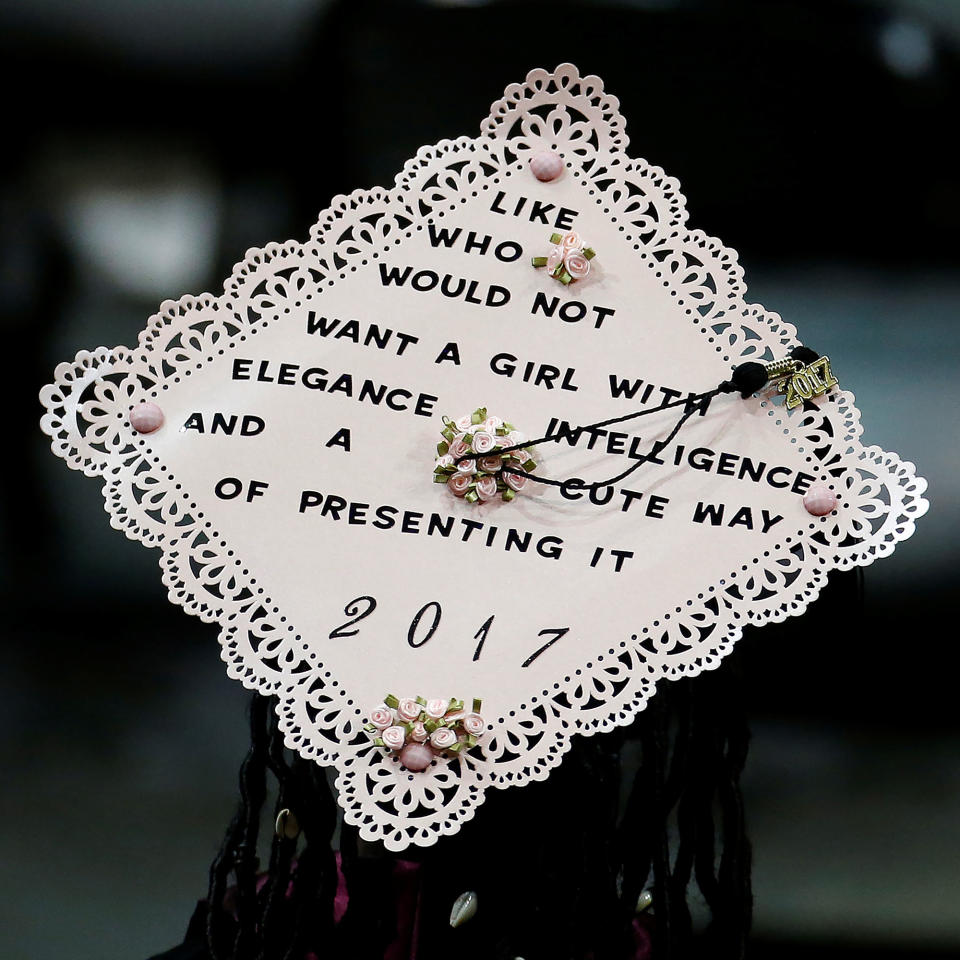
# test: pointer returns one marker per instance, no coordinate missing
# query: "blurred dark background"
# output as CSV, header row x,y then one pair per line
x,y
148,144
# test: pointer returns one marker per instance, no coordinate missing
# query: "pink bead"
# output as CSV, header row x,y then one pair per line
x,y
820,500
146,417
546,165
416,756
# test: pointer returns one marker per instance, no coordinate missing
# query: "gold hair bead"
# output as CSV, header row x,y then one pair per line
x,y
287,827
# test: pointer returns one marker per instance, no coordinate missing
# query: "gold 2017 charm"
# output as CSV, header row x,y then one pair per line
x,y
801,382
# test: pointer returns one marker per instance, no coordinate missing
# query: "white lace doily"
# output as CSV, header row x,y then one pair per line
x,y
277,578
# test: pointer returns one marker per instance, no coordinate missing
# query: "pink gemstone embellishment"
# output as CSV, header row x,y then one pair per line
x,y
416,756
546,165
820,500
146,417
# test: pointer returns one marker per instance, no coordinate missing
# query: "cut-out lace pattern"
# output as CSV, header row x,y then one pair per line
x,y
87,419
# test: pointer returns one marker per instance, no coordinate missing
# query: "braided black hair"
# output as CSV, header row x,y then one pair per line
x,y
558,866
294,906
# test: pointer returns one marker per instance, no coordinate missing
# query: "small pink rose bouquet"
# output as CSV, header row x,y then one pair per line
x,y
569,259
419,730
471,464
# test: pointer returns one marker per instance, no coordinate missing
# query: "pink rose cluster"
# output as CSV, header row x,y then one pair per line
x,y
568,259
440,726
470,460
